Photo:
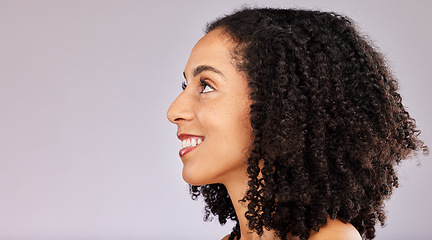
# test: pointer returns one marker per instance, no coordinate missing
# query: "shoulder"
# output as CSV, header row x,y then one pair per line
x,y
336,230
226,237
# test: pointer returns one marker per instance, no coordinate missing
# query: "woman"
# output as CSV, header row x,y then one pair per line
x,y
291,125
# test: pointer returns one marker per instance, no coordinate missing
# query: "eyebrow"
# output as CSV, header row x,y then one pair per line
x,y
203,68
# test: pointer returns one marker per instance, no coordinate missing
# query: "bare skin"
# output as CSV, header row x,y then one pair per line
x,y
334,230
214,110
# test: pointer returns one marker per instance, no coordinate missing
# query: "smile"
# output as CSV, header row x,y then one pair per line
x,y
189,143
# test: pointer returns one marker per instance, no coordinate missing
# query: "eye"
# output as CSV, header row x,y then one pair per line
x,y
184,85
206,87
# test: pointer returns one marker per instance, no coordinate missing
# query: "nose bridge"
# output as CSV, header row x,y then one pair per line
x,y
180,109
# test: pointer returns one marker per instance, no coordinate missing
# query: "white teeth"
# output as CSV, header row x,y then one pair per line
x,y
191,142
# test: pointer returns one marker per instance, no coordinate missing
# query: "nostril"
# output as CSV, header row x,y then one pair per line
x,y
178,119
173,114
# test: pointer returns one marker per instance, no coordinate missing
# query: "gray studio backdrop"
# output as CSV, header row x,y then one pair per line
x,y
86,151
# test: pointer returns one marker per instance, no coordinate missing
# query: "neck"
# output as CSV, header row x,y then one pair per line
x,y
237,190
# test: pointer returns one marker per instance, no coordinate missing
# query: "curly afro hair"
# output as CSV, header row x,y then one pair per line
x,y
328,123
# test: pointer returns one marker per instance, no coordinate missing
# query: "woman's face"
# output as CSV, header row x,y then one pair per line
x,y
212,114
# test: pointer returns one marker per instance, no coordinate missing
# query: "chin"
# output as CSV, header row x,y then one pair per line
x,y
195,181
197,178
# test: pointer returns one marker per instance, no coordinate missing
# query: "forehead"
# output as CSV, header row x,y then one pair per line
x,y
213,49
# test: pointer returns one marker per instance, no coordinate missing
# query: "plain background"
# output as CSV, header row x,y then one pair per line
x,y
86,151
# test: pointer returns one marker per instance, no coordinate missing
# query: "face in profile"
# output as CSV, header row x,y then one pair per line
x,y
212,114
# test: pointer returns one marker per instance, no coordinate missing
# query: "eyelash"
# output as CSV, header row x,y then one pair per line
x,y
203,84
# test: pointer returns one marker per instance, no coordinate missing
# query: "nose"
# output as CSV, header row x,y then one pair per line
x,y
180,109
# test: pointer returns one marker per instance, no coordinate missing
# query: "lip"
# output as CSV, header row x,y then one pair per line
x,y
185,151
183,136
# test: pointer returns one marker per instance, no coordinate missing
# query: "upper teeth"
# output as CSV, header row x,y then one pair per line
x,y
191,142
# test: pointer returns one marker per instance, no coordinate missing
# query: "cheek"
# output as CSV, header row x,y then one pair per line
x,y
227,123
